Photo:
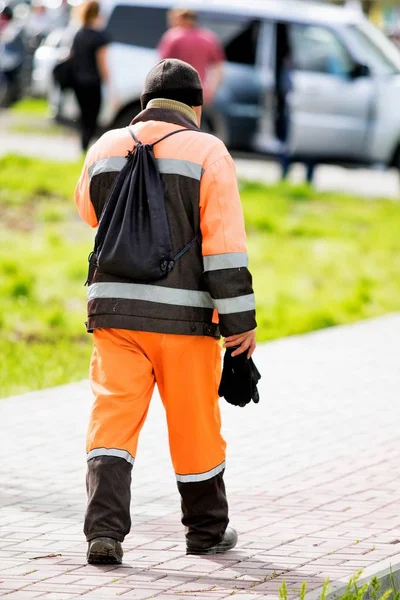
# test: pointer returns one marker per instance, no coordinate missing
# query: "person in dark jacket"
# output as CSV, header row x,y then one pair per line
x,y
89,55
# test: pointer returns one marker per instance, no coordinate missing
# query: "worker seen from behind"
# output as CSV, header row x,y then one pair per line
x,y
198,46
166,331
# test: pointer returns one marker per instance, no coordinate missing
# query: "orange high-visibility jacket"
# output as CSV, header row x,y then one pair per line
x,y
201,195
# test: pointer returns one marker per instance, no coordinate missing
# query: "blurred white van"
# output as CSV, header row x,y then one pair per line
x,y
345,76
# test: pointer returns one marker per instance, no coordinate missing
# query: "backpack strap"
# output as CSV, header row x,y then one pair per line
x,y
168,266
188,246
133,135
169,135
161,139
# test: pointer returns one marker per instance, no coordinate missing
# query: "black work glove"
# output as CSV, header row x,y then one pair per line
x,y
239,379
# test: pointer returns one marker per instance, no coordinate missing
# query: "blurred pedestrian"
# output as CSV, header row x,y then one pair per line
x,y
166,331
283,117
39,24
13,53
193,44
62,15
89,57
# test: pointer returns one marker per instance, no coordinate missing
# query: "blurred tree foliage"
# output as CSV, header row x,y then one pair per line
x,y
369,5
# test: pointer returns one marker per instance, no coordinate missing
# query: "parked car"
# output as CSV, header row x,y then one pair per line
x,y
346,76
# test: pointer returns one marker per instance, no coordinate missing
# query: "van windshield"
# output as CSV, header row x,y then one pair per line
x,y
377,51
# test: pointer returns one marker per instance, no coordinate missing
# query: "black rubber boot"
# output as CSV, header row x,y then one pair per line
x,y
228,542
204,511
104,551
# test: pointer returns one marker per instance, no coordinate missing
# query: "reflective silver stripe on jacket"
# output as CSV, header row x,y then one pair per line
x,y
111,452
201,476
232,260
150,293
174,296
107,165
227,306
173,166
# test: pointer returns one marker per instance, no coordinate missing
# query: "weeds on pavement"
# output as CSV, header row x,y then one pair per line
x,y
353,590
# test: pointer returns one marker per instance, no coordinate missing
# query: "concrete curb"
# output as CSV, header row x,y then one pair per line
x,y
381,570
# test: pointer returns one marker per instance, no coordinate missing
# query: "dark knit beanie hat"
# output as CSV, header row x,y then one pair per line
x,y
175,80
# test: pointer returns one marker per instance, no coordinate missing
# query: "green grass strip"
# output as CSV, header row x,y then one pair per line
x,y
31,106
317,260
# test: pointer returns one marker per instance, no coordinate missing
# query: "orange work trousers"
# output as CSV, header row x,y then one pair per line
x,y
124,369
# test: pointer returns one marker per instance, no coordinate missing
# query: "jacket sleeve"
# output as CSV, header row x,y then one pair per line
x,y
224,248
82,195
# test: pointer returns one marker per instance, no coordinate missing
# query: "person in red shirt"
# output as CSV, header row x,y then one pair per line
x,y
200,47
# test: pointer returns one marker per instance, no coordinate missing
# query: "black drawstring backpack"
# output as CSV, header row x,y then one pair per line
x,y
133,238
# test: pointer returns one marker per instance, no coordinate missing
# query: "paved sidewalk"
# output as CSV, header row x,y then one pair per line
x,y
313,481
370,183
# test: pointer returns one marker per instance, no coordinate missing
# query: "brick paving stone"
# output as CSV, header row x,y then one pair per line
x,y
216,594
47,586
158,584
136,594
105,592
13,583
66,579
27,570
313,477
22,595
57,596
94,594
195,586
248,596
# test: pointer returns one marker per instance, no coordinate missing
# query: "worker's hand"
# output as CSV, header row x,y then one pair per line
x,y
246,342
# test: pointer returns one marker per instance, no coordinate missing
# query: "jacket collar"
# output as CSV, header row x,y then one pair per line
x,y
169,111
166,103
